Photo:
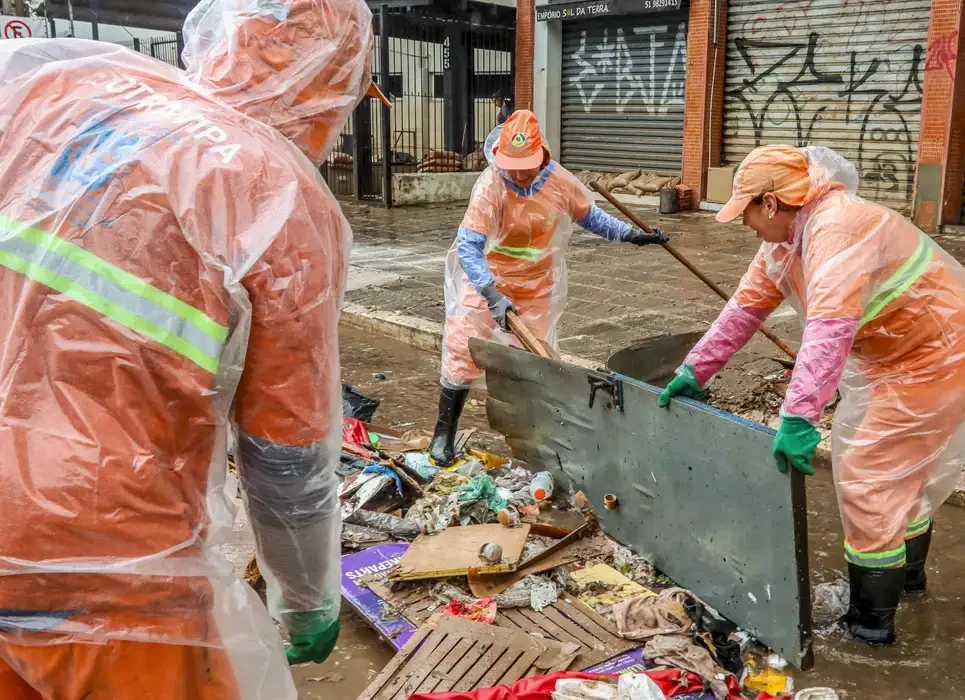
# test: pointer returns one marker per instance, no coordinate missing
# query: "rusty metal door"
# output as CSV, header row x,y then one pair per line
x,y
847,74
623,93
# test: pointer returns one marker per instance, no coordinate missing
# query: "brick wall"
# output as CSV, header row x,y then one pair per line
x,y
704,95
941,144
525,26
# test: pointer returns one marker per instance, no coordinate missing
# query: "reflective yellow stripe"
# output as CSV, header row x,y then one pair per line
x,y
899,283
112,292
530,254
919,527
875,560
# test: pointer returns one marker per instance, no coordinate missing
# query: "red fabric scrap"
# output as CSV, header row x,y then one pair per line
x,y
482,610
354,431
671,682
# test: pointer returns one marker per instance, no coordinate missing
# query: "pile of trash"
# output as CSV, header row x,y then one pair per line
x,y
450,564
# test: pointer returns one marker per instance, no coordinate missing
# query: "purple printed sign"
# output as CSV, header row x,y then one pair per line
x,y
633,662
375,561
628,662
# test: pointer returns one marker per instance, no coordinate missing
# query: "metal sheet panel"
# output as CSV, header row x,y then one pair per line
x,y
623,93
698,492
836,73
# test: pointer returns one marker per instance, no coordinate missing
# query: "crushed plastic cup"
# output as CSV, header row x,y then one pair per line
x,y
541,487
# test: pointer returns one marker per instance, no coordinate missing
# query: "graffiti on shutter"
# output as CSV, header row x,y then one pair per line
x,y
847,74
655,88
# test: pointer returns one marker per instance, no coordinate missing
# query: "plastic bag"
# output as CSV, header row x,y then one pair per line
x,y
357,405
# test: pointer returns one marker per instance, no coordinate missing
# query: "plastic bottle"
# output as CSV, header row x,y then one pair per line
x,y
541,487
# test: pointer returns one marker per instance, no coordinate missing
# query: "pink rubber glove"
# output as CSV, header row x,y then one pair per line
x,y
819,366
728,334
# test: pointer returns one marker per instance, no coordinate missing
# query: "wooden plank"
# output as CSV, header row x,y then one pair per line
x,y
527,339
584,617
396,663
514,617
557,617
578,545
426,650
499,669
541,621
455,552
518,669
456,674
443,667
502,621
433,660
460,656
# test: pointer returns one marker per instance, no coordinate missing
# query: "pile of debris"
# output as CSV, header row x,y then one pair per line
x,y
479,578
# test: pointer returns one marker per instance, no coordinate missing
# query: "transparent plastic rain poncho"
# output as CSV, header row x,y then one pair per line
x,y
516,239
883,309
172,265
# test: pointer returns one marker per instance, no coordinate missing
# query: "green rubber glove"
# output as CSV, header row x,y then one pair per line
x,y
795,444
684,383
314,647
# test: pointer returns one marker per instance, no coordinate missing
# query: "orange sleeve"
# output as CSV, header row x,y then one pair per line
x,y
289,390
757,290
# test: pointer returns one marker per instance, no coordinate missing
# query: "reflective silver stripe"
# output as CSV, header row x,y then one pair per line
x,y
90,280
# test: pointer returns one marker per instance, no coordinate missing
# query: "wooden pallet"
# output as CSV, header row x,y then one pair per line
x,y
457,655
415,603
569,621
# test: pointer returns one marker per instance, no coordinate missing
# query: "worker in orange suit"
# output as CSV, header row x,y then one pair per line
x,y
172,267
883,310
509,256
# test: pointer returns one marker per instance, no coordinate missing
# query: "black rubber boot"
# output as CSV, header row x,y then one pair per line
x,y
443,447
874,601
917,548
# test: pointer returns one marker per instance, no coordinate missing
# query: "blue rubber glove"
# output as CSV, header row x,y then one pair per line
x,y
795,444
312,647
684,383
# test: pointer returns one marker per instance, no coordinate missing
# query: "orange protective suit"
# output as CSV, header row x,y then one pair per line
x,y
527,232
170,264
884,315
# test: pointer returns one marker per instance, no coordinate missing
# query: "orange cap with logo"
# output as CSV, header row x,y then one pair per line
x,y
521,145
782,170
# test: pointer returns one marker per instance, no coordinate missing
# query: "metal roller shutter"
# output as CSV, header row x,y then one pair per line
x,y
836,73
623,93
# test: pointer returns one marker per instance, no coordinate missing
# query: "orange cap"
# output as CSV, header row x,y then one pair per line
x,y
782,170
521,145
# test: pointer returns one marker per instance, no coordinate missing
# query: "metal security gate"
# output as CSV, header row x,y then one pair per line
x,y
623,93
846,74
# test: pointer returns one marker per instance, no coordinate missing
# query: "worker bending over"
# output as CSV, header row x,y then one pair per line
x,y
883,310
172,267
509,256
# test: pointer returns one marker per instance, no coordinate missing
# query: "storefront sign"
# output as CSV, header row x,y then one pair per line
x,y
589,9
